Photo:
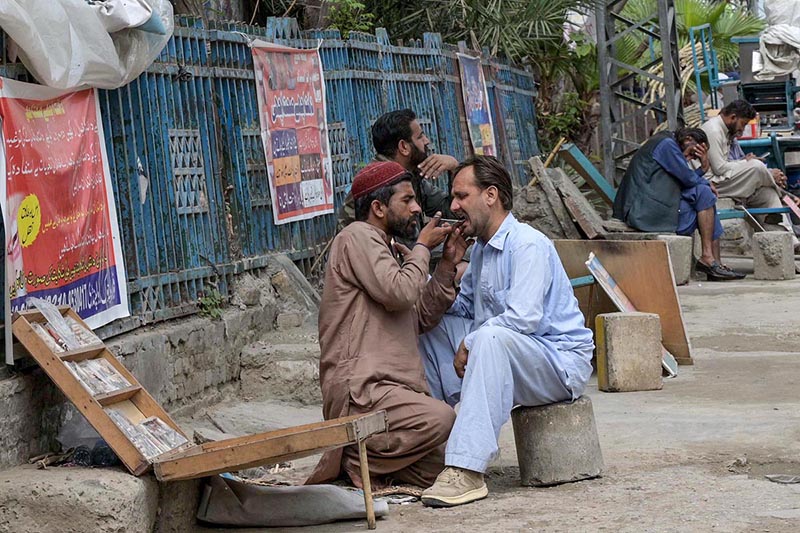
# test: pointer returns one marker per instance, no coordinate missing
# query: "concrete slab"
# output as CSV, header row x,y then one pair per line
x,y
100,500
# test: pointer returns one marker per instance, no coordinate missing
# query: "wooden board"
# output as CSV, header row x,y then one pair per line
x,y
573,156
268,448
579,207
553,198
642,270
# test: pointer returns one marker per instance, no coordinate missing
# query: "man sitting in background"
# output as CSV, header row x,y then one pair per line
x,y
745,179
661,193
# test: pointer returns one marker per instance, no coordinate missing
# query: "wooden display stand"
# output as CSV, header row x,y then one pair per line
x,y
193,461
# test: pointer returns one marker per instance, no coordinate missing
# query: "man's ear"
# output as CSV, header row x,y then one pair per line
x,y
492,195
378,209
404,148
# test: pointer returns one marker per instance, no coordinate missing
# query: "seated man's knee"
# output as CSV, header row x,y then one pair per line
x,y
442,417
706,199
493,337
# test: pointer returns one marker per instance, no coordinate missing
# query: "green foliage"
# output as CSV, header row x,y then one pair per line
x,y
562,118
210,302
349,15
727,20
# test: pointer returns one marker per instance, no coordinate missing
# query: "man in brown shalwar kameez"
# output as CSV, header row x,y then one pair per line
x,y
373,307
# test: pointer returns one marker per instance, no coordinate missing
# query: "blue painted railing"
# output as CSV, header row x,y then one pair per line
x,y
191,122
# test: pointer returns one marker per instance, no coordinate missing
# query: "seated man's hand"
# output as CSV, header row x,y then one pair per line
x,y
436,164
432,235
779,177
750,156
713,188
460,360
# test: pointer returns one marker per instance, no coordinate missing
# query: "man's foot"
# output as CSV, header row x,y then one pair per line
x,y
455,486
736,273
716,272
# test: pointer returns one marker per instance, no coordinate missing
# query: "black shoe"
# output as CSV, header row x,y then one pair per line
x,y
738,275
716,272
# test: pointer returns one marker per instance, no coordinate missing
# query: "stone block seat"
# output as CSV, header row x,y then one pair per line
x,y
557,443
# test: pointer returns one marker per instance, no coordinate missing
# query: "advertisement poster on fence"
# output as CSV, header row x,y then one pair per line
x,y
291,103
476,105
62,238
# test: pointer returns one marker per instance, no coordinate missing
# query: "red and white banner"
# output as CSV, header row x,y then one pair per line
x,y
294,130
62,238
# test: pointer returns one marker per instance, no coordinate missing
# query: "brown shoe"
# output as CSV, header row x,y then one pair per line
x,y
455,486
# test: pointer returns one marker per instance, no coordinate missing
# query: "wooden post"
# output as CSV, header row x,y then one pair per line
x,y
366,483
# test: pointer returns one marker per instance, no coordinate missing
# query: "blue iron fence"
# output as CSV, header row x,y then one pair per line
x,y
188,167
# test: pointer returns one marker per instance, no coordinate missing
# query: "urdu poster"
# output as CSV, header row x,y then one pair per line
x,y
476,105
62,235
291,102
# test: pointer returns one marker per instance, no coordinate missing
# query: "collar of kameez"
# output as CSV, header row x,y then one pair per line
x,y
384,237
498,240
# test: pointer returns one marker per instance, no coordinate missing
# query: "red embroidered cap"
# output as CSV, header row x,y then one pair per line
x,y
374,176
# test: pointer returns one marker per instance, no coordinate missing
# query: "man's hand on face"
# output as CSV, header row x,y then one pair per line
x,y
701,153
460,360
432,234
436,164
779,177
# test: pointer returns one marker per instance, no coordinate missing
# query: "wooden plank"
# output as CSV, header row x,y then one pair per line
x,y
642,270
577,160
581,209
117,396
580,217
82,354
79,396
553,198
267,448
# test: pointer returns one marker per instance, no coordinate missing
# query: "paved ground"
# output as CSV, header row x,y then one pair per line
x,y
671,455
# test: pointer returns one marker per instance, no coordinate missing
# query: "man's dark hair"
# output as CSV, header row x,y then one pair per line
x,y
390,129
489,171
740,108
383,195
696,134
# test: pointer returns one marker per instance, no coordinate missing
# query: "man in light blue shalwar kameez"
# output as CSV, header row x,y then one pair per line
x,y
514,334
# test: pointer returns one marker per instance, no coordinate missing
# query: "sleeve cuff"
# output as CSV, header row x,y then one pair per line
x,y
468,340
445,277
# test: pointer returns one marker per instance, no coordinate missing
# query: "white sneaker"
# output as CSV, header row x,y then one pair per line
x,y
455,486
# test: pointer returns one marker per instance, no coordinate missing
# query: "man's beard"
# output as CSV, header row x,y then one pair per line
x,y
417,156
403,228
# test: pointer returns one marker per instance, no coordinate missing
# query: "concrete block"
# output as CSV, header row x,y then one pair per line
x,y
737,237
557,443
628,352
177,506
680,255
100,500
773,255
289,320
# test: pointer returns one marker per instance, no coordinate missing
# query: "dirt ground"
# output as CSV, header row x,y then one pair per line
x,y
691,457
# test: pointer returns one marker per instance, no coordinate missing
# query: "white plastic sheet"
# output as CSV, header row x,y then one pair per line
x,y
65,43
782,12
780,51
